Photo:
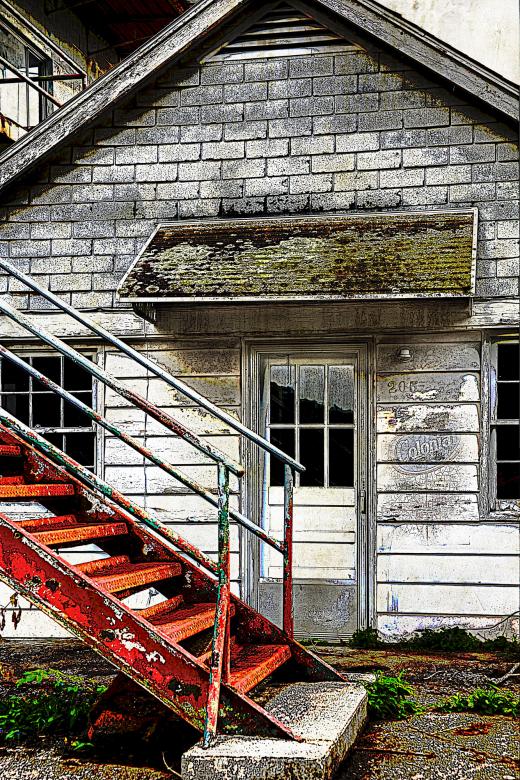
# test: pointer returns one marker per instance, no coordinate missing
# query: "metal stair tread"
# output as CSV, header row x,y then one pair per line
x,y
80,533
16,479
132,575
160,610
189,621
253,663
31,524
37,490
10,450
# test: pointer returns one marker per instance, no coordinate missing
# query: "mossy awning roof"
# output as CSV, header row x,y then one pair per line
x,y
403,255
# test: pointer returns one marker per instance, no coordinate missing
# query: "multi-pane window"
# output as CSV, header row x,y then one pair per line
x,y
54,418
505,419
18,100
311,418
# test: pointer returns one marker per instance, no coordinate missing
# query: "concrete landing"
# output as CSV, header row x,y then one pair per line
x,y
328,716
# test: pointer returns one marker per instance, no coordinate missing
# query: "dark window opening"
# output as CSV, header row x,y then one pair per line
x,y
54,418
506,421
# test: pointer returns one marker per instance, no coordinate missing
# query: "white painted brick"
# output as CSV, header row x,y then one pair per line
x,y
288,166
223,150
449,174
402,178
382,159
274,185
311,183
242,169
421,157
199,171
330,163
179,152
283,128
356,180
336,123
321,144
471,192
268,147
357,142
425,196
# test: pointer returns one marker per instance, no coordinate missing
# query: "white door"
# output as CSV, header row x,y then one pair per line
x,y
309,408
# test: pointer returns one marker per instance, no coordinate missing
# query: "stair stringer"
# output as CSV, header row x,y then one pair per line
x,y
163,668
196,584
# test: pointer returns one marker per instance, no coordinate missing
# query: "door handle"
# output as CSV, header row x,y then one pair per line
x,y
362,501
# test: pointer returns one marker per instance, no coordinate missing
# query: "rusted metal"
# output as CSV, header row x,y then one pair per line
x,y
288,507
22,77
187,621
132,644
220,646
110,381
79,533
256,662
35,491
135,575
127,439
99,486
145,362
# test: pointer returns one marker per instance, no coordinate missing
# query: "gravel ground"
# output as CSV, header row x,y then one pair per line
x,y
428,746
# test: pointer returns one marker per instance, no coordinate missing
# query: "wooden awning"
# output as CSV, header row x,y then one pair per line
x,y
372,256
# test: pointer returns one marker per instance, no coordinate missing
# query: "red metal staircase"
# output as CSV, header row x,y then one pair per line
x,y
199,650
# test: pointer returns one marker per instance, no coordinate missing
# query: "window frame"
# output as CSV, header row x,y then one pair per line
x,y
25,352
497,504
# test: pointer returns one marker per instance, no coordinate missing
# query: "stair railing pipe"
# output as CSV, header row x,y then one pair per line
x,y
287,586
110,381
150,365
140,448
220,658
134,512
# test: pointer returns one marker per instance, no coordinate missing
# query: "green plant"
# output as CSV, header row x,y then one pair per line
x,y
366,639
388,697
487,701
446,640
47,701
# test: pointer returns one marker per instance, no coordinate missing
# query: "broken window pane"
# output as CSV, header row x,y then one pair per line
x,y
312,392
282,394
341,457
341,394
311,456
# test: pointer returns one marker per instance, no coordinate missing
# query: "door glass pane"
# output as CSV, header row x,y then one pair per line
x,y
508,361
284,440
311,456
80,446
341,457
282,394
341,394
508,405
312,392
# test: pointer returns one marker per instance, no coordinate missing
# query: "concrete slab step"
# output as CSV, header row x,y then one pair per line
x,y
327,715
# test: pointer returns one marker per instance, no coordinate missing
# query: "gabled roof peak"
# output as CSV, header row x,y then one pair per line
x,y
203,19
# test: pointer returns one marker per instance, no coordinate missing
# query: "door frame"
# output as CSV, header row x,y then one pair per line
x,y
252,354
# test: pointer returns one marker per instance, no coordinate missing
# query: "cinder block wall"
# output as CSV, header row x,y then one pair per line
x,y
302,134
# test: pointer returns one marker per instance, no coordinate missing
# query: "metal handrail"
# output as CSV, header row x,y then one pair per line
x,y
111,381
220,658
133,511
150,365
141,449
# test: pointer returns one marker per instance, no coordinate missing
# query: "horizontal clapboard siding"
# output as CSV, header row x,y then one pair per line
x,y
436,566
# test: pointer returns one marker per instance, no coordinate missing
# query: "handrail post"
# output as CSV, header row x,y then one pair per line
x,y
288,500
220,659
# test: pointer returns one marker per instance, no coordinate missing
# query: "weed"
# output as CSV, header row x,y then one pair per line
x,y
444,640
388,697
47,701
366,639
488,701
